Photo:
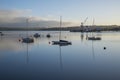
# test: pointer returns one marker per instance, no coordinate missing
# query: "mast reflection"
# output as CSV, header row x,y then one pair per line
x,y
60,54
93,52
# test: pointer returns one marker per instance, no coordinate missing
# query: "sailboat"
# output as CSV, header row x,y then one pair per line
x,y
94,37
61,42
27,39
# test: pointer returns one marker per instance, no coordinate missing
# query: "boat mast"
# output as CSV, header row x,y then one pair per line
x,y
27,22
27,25
93,25
92,41
60,27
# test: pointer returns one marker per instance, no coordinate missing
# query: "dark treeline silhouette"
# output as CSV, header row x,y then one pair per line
x,y
72,29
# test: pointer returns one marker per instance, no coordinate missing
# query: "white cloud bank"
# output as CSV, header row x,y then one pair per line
x,y
17,18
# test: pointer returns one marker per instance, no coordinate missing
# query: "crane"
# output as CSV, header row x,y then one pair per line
x,y
82,23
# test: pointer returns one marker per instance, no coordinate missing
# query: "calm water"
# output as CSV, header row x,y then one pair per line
x,y
83,60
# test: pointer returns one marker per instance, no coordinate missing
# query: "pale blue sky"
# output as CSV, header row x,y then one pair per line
x,y
104,11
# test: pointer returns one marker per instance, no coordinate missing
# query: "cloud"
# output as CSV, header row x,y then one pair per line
x,y
9,16
17,18
13,13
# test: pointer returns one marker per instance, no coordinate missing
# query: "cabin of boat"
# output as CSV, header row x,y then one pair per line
x,y
27,40
61,42
94,38
36,35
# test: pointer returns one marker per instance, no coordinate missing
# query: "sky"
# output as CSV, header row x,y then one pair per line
x,y
46,13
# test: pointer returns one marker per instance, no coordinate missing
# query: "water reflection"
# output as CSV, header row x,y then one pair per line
x,y
41,61
86,36
82,36
61,64
9,45
27,56
93,52
60,52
